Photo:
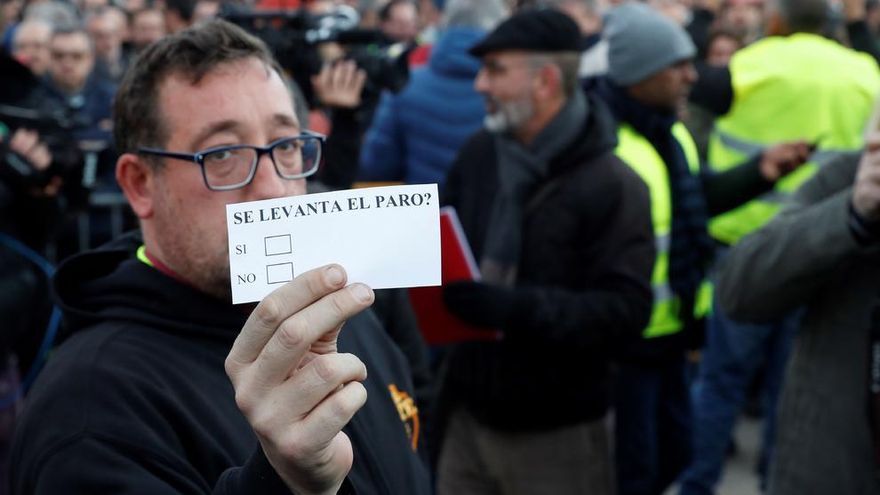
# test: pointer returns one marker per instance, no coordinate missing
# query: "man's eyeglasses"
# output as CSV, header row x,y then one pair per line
x,y
232,167
75,56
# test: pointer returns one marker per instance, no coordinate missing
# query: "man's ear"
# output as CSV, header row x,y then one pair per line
x,y
137,178
549,82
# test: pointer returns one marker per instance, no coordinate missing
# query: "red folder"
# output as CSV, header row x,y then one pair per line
x,y
438,325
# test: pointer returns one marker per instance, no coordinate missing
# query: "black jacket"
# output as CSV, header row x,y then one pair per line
x,y
136,399
583,282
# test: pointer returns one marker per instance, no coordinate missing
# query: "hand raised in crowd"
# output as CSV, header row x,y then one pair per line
x,y
340,84
296,391
866,190
781,159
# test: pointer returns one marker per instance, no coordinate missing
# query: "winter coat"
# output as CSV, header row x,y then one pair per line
x,y
136,399
415,134
583,282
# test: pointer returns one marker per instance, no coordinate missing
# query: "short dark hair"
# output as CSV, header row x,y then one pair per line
x,y
385,11
72,29
192,53
803,16
722,32
184,8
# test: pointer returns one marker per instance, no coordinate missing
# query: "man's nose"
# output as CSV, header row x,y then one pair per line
x,y
690,73
481,84
266,184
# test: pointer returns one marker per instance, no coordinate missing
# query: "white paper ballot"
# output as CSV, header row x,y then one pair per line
x,y
384,237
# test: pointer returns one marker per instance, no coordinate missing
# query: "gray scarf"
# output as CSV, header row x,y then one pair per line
x,y
520,171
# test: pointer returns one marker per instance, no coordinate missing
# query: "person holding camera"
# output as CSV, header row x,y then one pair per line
x,y
30,209
820,252
416,133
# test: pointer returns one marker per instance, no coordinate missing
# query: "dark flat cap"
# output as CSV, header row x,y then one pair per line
x,y
538,30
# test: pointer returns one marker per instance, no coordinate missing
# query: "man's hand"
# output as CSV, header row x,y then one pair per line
x,y
866,190
781,159
27,144
295,390
340,84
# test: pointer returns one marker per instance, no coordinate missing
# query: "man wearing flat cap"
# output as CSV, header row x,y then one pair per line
x,y
650,75
562,234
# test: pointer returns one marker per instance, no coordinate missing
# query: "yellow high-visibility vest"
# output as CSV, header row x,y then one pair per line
x,y
801,86
640,155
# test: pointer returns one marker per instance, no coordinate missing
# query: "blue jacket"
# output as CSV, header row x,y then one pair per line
x,y
416,134
92,108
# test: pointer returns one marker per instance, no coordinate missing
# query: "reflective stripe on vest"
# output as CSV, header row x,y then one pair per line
x,y
641,156
779,95
764,207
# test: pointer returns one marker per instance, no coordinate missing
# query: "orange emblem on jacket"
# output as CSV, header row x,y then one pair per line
x,y
409,413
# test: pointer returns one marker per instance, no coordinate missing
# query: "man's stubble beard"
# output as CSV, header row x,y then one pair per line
x,y
509,116
185,250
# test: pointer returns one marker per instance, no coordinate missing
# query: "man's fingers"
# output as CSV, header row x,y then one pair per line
x,y
360,77
295,336
334,412
27,144
872,141
871,176
870,164
338,75
23,141
278,307
790,157
314,382
349,70
40,157
343,75
319,80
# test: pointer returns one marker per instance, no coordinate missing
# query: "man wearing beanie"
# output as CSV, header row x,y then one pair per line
x,y
562,233
649,78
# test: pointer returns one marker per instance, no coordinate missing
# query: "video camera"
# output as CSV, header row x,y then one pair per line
x,y
55,130
294,36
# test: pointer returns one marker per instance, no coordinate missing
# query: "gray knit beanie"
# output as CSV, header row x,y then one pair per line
x,y
642,42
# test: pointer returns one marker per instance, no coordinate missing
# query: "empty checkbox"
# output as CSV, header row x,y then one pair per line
x,y
279,273
278,244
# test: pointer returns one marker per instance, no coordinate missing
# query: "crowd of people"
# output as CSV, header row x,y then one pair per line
x,y
674,207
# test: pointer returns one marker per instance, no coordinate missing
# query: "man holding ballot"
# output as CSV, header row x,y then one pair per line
x,y
160,384
561,230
